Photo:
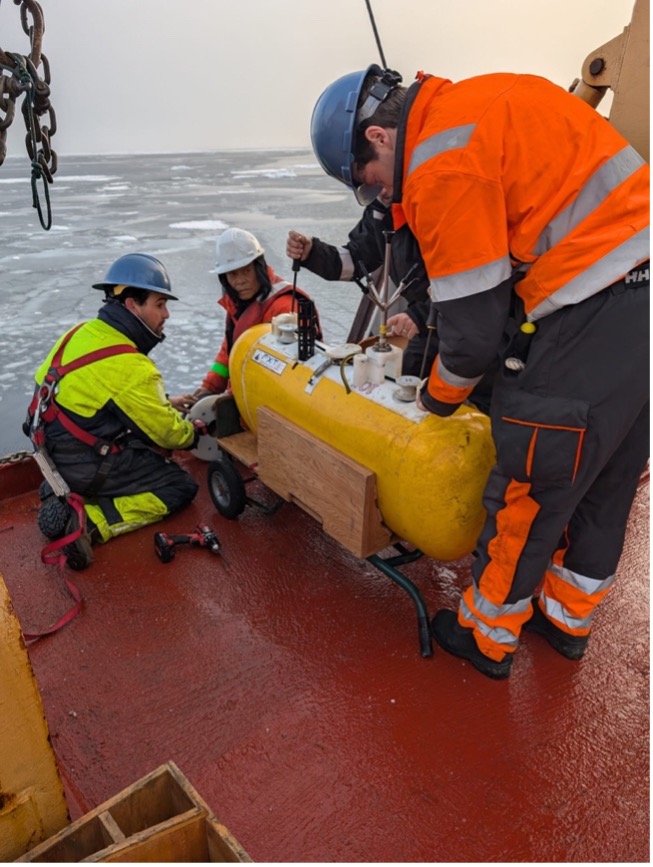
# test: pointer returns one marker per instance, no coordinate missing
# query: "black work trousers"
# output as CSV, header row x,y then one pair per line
x,y
572,437
141,485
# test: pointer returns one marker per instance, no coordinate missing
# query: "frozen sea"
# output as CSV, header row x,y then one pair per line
x,y
172,206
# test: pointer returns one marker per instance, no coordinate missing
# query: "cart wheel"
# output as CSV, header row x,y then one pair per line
x,y
226,488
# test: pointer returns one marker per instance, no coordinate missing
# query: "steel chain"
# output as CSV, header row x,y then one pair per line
x,y
24,80
15,457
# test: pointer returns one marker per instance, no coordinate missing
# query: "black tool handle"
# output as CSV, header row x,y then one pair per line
x,y
164,547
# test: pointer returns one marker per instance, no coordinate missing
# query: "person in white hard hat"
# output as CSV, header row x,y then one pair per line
x,y
252,294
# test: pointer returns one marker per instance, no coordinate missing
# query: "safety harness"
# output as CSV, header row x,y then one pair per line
x,y
44,408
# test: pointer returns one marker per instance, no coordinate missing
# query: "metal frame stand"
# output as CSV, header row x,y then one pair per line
x,y
387,566
257,504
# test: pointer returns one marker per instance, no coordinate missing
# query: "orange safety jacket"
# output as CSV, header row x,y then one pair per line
x,y
509,176
278,301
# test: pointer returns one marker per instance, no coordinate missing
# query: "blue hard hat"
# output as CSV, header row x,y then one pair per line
x,y
139,271
335,120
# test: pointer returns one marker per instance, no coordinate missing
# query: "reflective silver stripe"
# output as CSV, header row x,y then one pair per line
x,y
598,276
457,381
447,140
347,264
555,612
596,189
471,282
491,611
498,634
586,585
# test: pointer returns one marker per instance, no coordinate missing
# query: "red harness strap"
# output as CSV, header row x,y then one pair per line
x,y
53,554
44,396
32,637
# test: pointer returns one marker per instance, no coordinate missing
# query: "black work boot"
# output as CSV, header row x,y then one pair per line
x,y
570,646
53,516
459,640
79,553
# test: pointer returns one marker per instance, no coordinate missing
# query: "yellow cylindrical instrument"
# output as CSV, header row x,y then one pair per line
x,y
430,471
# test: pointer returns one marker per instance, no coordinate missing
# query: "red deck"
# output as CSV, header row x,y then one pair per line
x,y
286,683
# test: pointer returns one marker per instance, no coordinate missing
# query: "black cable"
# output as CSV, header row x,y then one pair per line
x,y
376,33
431,326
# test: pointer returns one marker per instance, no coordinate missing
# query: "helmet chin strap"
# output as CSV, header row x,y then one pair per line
x,y
158,337
379,92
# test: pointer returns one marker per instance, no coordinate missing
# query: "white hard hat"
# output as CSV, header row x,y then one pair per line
x,y
236,248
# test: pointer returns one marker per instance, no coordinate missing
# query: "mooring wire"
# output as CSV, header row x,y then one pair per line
x,y
376,33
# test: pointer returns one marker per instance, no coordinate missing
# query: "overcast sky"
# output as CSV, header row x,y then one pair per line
x,y
133,76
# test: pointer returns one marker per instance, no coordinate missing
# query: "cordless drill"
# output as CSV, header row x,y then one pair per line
x,y
203,537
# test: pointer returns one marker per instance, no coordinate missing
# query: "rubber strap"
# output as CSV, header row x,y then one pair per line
x,y
53,554
32,637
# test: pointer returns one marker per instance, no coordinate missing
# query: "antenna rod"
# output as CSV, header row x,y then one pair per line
x,y
376,33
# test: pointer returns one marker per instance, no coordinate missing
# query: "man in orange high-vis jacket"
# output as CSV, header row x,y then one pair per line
x,y
532,216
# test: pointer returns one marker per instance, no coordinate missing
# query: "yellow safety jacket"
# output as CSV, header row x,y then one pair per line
x,y
115,395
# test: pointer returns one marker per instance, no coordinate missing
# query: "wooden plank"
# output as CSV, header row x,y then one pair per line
x,y
199,839
180,839
163,796
336,490
221,845
75,843
243,446
111,827
161,817
150,801
189,790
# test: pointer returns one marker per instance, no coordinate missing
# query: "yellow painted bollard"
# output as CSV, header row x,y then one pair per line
x,y
32,803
